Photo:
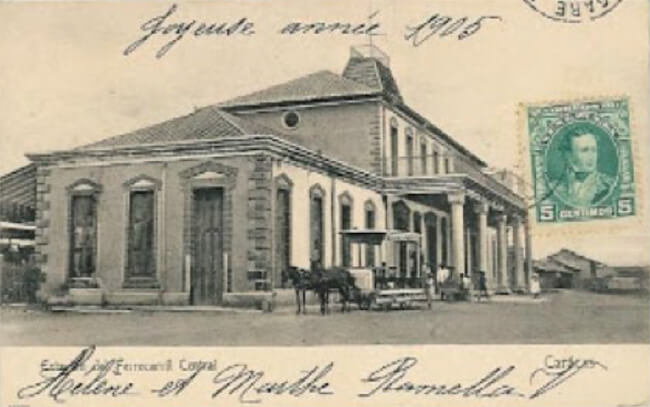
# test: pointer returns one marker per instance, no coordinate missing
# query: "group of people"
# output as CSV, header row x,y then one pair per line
x,y
434,283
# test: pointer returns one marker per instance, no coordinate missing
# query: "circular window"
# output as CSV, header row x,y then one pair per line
x,y
291,120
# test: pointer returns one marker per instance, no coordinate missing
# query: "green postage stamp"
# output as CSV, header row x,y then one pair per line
x,y
581,157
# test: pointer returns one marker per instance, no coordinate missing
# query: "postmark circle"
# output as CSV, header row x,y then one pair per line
x,y
573,11
564,183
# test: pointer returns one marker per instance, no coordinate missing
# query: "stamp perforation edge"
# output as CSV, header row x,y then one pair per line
x,y
639,165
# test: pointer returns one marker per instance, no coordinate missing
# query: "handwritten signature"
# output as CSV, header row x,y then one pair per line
x,y
249,385
59,383
558,370
392,378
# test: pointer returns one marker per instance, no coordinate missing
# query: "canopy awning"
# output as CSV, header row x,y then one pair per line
x,y
376,236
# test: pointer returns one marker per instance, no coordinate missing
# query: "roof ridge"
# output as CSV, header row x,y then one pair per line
x,y
227,118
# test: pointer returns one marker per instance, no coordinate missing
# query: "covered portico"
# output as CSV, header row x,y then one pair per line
x,y
479,219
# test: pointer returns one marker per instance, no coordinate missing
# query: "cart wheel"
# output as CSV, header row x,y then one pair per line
x,y
364,304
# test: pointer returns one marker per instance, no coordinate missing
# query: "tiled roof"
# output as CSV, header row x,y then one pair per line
x,y
316,86
550,265
573,259
205,123
374,74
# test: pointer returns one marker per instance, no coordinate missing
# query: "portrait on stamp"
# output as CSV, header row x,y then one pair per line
x,y
581,161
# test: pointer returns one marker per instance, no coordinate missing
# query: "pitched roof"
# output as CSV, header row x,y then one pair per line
x,y
551,265
373,73
204,123
316,86
566,256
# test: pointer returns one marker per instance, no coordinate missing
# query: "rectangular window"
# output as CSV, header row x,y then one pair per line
x,y
423,159
282,237
436,162
316,231
393,151
83,236
370,249
346,224
409,154
141,257
370,219
447,166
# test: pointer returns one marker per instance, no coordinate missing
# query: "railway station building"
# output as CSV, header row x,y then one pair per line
x,y
214,206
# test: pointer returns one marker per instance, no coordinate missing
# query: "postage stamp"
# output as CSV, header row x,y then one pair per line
x,y
581,159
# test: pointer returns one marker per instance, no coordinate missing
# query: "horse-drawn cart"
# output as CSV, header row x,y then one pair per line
x,y
388,269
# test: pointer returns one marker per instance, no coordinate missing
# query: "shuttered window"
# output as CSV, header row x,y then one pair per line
x,y
83,236
141,257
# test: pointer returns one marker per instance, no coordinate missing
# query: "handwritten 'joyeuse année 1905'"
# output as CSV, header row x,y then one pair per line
x,y
432,25
246,385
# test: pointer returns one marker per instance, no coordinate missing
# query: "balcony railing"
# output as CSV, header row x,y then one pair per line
x,y
431,166
417,166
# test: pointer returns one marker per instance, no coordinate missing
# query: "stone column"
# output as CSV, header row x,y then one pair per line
x,y
502,243
529,252
518,284
481,210
456,200
390,199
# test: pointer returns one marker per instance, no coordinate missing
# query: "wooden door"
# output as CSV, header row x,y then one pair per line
x,y
207,273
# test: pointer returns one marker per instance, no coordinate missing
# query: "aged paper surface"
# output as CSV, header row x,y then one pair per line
x,y
470,178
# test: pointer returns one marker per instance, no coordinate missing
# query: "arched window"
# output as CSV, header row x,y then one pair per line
x,y
401,213
316,225
345,202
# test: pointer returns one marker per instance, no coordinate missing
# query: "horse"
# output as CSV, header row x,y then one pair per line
x,y
302,280
322,281
339,279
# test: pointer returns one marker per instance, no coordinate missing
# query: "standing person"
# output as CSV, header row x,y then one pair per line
x,y
429,287
441,279
534,286
465,285
482,286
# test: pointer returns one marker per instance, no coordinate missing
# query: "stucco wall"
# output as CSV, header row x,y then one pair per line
x,y
432,142
112,218
303,179
344,132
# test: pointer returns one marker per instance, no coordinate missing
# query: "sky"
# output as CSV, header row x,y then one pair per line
x,y
65,80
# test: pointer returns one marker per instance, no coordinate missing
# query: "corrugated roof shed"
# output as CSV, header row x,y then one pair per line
x,y
18,194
